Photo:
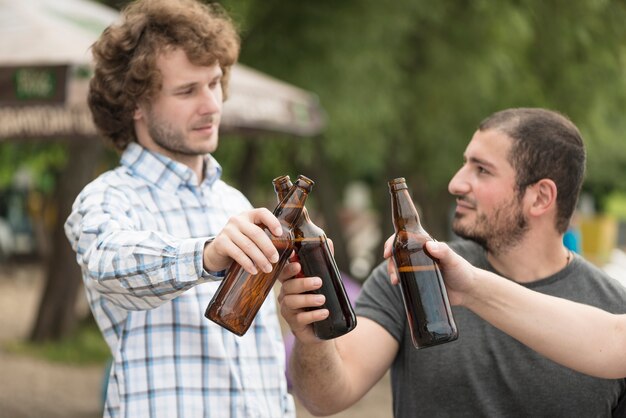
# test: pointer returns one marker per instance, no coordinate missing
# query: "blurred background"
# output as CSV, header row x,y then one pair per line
x,y
350,94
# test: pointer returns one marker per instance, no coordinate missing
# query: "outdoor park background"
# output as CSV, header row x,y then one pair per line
x,y
403,85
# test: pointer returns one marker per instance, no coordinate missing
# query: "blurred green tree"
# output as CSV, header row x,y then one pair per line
x,y
405,84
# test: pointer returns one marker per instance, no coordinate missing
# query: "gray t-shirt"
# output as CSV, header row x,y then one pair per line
x,y
486,373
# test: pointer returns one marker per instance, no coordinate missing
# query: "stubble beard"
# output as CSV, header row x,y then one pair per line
x,y
169,138
497,232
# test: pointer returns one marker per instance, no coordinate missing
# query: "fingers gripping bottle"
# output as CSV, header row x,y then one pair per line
x,y
423,291
313,252
241,294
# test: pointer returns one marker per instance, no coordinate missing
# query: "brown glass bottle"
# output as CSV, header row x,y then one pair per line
x,y
241,294
313,252
423,291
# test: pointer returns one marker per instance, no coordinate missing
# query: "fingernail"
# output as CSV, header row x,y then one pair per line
x,y
315,281
319,299
274,258
322,313
267,268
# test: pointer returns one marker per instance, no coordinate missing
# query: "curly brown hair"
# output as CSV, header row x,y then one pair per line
x,y
125,57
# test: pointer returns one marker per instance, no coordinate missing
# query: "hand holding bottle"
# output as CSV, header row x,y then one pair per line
x,y
296,298
387,253
458,273
424,294
244,241
241,293
315,254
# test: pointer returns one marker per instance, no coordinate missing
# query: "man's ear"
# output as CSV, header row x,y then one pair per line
x,y
138,114
543,196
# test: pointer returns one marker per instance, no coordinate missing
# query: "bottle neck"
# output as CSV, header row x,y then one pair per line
x,y
291,206
404,213
282,187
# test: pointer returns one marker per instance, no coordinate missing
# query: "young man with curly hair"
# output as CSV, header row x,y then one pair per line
x,y
154,236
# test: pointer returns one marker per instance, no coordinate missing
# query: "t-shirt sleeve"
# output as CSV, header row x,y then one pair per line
x,y
381,302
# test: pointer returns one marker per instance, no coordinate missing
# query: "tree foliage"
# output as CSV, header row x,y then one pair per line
x,y
405,83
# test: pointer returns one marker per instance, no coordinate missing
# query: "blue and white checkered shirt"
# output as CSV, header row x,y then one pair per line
x,y
139,232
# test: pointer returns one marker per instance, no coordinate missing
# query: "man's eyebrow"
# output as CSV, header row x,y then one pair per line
x,y
192,84
184,86
479,161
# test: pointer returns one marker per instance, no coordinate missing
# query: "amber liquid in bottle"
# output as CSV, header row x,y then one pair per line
x,y
313,252
241,294
423,290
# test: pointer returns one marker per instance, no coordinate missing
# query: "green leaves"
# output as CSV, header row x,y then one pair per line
x,y
405,83
41,160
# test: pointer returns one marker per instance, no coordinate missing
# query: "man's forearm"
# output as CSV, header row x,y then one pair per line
x,y
319,379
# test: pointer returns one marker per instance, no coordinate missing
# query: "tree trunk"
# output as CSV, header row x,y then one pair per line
x,y
56,316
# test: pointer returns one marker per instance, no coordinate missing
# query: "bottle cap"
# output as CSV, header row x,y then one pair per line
x,y
305,182
398,184
281,179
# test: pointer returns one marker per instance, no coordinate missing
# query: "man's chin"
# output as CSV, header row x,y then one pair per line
x,y
470,235
210,145
459,228
207,146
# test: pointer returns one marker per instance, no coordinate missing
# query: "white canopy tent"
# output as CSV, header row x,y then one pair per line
x,y
44,74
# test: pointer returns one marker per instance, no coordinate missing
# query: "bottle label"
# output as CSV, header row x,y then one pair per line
x,y
405,269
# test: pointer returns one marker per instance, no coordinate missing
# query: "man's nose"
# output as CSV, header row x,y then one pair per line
x,y
210,102
458,184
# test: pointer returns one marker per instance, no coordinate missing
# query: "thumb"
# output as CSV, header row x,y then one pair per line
x,y
435,249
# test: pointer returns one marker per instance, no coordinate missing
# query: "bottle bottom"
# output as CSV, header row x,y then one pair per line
x,y
434,338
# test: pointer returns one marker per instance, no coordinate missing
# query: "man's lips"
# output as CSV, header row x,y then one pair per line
x,y
205,127
464,205
205,124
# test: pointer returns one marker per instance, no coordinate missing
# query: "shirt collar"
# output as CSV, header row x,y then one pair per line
x,y
164,172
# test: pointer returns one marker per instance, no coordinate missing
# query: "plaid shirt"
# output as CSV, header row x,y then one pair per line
x,y
139,232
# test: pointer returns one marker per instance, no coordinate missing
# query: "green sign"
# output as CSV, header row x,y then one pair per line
x,y
20,86
34,83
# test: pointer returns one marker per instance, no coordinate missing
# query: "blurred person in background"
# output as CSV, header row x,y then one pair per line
x,y
515,194
154,236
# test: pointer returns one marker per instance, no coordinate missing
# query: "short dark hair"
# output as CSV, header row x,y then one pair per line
x,y
546,144
125,57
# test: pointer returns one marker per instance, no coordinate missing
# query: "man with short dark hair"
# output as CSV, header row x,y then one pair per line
x,y
515,194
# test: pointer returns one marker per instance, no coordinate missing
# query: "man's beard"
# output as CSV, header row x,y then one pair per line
x,y
168,137
498,232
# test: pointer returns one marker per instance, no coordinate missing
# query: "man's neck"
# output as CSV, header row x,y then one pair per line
x,y
532,258
194,162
